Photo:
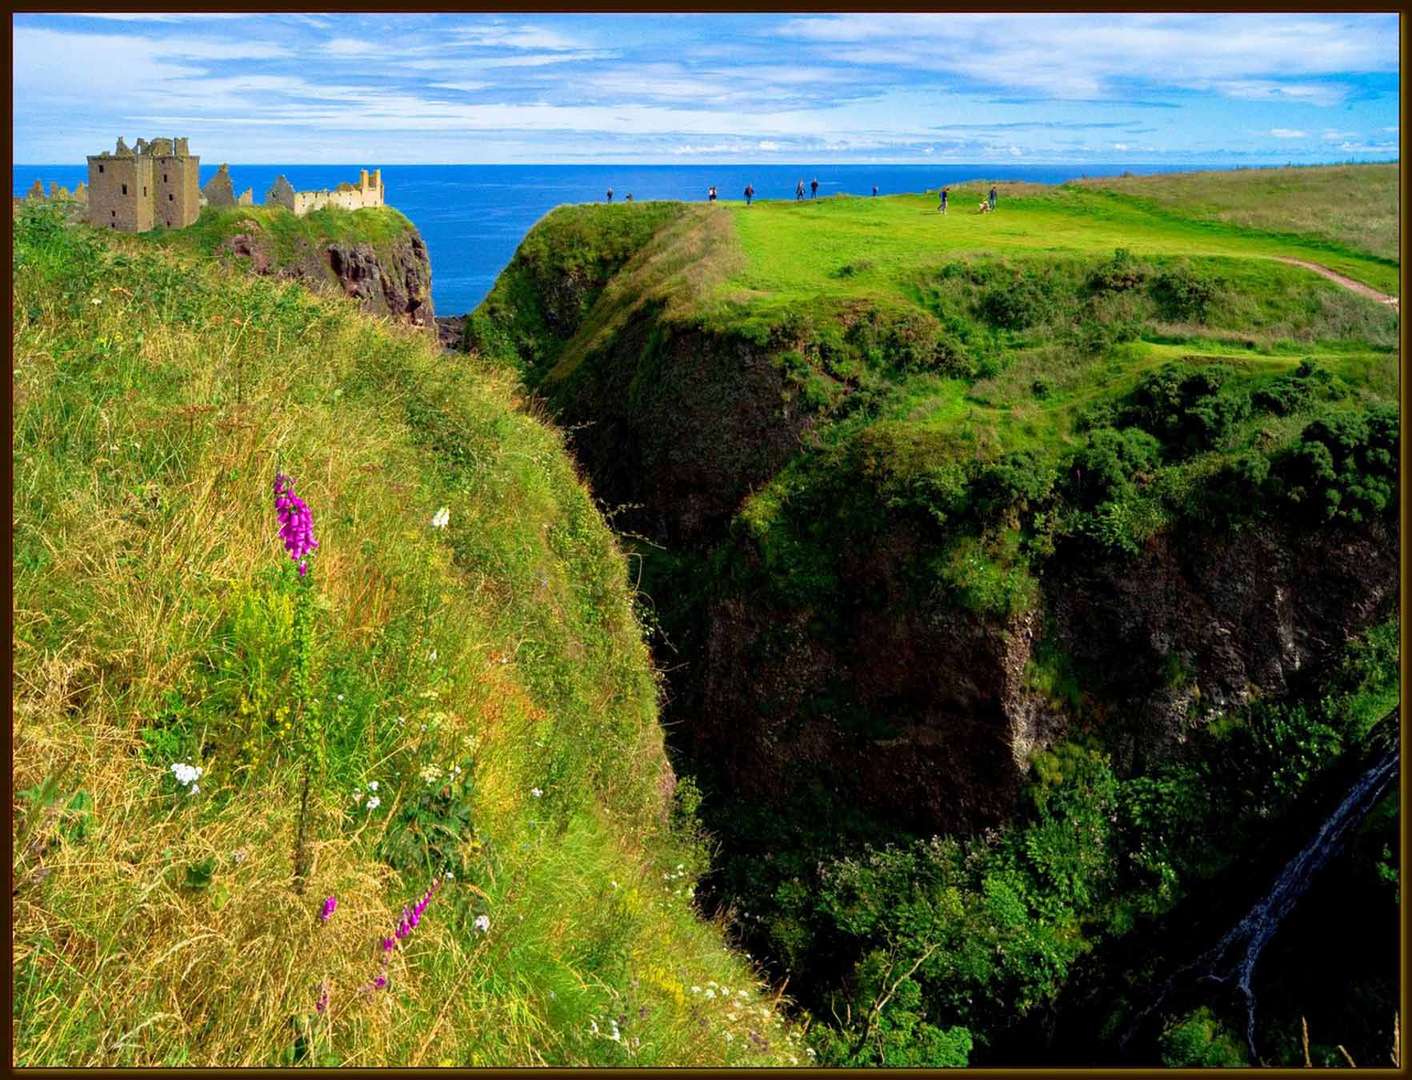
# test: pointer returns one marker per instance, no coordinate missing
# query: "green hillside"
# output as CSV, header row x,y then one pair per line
x,y
1350,205
457,695
1022,576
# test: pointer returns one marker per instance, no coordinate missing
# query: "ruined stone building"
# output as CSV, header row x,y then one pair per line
x,y
151,184
367,193
157,184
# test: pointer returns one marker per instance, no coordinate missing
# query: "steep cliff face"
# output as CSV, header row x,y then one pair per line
x,y
375,256
392,279
879,584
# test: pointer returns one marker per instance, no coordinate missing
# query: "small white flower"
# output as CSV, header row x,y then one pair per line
x,y
536,792
357,797
614,1034
374,802
592,1026
186,774
96,300
482,923
432,656
372,785
340,697
710,993
696,989
441,518
449,876
195,789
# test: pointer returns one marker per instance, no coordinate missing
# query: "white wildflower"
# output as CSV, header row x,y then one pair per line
x,y
710,993
449,876
96,300
614,1033
374,802
186,774
482,923
372,785
195,789
441,518
592,1026
536,792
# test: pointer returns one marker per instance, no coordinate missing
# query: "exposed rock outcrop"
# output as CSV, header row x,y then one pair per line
x,y
392,280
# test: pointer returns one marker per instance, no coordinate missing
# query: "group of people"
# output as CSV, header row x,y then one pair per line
x,y
989,203
814,191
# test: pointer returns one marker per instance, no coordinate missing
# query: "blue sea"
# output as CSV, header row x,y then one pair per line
x,y
473,216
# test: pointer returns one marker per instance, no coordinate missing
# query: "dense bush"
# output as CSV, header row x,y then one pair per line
x,y
1344,467
1184,294
1121,273
1107,465
1190,409
1201,1040
1297,390
1022,301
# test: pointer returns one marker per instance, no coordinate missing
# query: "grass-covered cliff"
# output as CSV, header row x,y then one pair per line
x,y
1032,522
376,256
459,685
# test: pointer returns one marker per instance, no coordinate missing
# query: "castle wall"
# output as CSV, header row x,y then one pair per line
x,y
368,193
119,193
176,190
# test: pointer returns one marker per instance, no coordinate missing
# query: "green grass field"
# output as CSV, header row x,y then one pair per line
x,y
859,246
1351,205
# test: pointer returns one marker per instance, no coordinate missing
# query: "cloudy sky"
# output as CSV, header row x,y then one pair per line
x,y
294,89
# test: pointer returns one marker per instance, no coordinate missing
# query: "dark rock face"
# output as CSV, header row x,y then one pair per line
x,y
681,423
401,289
450,330
1198,623
396,284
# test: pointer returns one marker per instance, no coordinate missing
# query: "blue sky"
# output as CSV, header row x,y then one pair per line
x,y
297,89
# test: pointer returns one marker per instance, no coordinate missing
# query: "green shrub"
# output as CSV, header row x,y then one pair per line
x,y
1121,273
1190,409
1295,391
1344,467
1201,1040
1106,466
1021,302
1184,294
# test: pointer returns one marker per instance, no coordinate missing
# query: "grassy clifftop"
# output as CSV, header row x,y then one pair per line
x,y
962,525
467,693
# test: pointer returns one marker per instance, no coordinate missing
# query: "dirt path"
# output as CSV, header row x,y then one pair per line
x,y
1346,282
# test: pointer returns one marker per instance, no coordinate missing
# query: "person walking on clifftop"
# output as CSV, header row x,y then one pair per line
x,y
610,194
813,187
711,193
749,193
992,196
941,206
799,191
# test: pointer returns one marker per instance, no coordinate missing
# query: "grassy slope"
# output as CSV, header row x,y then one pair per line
x,y
154,401
1351,205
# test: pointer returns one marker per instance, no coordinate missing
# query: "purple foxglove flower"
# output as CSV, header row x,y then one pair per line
x,y
380,982
296,523
388,944
329,905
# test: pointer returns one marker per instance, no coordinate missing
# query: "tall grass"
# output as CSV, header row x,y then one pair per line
x,y
489,676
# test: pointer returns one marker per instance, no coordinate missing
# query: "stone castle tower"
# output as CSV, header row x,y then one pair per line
x,y
140,188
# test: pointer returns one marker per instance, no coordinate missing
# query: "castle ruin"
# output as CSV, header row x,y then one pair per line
x,y
367,193
136,189
157,184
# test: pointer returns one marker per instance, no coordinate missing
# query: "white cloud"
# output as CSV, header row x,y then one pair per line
x,y
767,145
351,47
1288,133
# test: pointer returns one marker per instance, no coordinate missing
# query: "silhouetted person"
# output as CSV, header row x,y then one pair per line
x,y
749,193
610,194
941,206
628,197
875,191
799,191
992,196
813,188
711,193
